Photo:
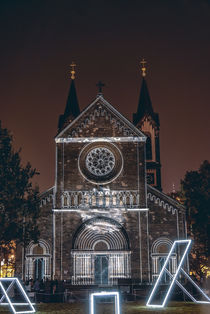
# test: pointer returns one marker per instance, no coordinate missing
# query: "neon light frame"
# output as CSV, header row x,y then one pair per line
x,y
188,242
187,292
105,293
5,295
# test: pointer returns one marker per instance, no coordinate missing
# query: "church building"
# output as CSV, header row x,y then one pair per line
x,y
106,219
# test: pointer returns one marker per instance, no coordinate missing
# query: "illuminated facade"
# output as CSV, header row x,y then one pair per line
x,y
101,222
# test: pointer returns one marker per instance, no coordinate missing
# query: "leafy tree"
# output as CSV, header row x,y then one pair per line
x,y
196,187
19,201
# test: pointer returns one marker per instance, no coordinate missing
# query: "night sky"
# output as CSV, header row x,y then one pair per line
x,y
107,39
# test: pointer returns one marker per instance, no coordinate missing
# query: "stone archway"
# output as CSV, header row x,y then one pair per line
x,y
101,253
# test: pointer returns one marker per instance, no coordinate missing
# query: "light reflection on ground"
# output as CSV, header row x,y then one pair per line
x,y
127,308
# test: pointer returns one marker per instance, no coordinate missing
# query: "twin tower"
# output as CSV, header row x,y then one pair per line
x,y
145,119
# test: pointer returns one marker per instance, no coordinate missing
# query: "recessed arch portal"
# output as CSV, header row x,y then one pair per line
x,y
101,252
101,229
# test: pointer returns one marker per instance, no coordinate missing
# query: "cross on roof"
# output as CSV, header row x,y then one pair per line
x,y
100,85
73,65
143,67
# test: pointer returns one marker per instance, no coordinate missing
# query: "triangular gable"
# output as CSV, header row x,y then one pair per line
x,y
102,107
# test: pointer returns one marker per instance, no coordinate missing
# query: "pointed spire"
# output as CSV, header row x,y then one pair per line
x,y
72,106
144,104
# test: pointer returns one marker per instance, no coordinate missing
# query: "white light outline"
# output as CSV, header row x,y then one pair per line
x,y
201,291
174,278
23,294
17,303
80,210
137,209
162,271
105,293
187,292
99,139
8,288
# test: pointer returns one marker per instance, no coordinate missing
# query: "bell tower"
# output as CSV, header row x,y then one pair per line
x,y
146,120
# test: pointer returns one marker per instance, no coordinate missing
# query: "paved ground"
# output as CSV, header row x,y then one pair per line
x,y
127,308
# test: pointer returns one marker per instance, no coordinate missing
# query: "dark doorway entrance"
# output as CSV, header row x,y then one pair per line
x,y
101,270
39,268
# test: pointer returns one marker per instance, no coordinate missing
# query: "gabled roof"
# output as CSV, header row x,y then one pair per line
x,y
144,105
101,101
72,107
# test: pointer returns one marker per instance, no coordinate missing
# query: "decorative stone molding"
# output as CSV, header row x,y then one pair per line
x,y
161,203
47,199
117,162
99,199
101,112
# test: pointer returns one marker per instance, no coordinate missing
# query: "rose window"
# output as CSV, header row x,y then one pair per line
x,y
100,161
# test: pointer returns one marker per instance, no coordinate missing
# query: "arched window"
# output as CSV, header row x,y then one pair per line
x,y
160,250
38,261
163,248
148,147
38,250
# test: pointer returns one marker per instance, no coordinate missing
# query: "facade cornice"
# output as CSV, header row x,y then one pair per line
x,y
99,139
164,200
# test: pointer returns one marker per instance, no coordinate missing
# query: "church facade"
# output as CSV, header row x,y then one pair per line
x,y
106,219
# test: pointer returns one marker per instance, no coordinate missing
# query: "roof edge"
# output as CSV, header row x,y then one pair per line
x,y
111,108
168,198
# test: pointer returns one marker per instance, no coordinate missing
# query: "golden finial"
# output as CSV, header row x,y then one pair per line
x,y
73,65
143,67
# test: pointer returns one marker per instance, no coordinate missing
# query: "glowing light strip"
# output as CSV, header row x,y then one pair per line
x,y
174,280
9,287
99,139
11,304
183,288
17,304
188,242
104,294
187,292
138,209
98,209
196,286
8,299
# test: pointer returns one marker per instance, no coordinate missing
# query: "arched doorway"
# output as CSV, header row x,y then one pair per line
x,y
101,253
38,261
101,263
